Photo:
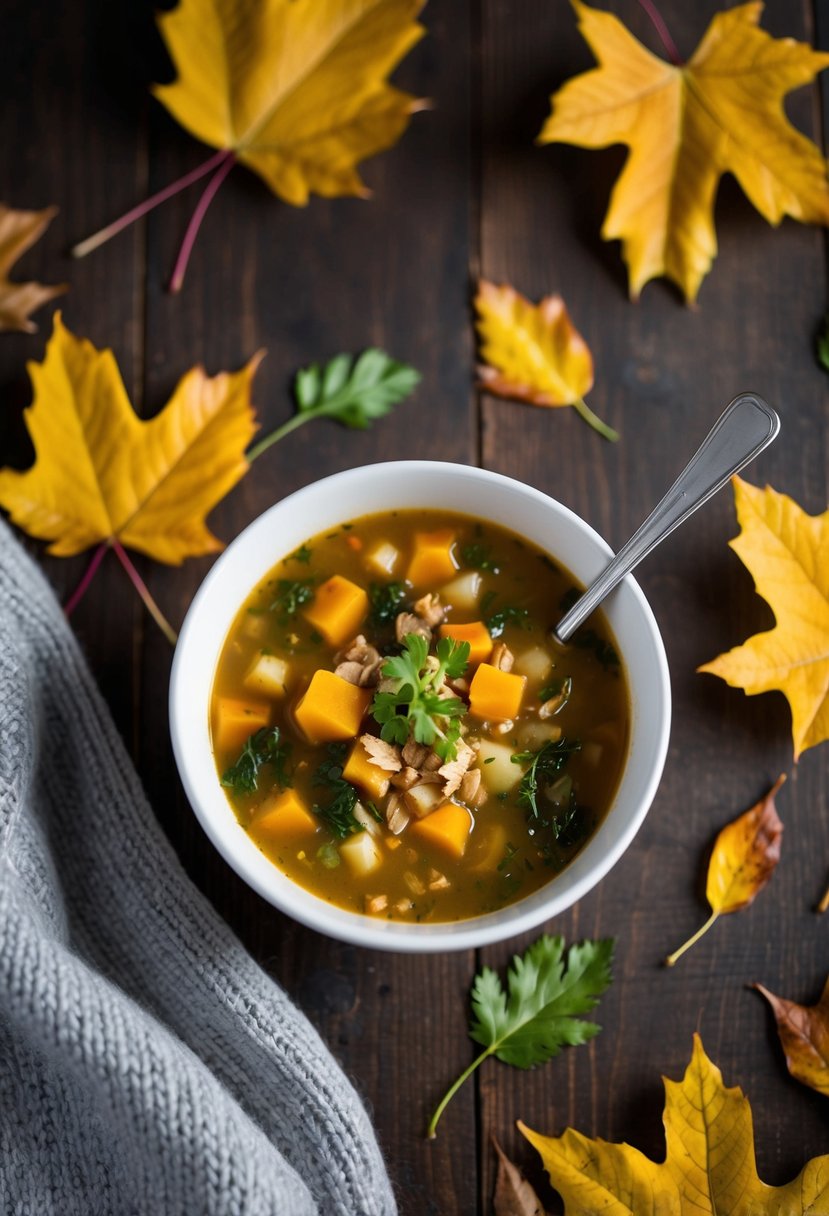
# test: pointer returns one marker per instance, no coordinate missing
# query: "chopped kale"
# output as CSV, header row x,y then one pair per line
x,y
263,747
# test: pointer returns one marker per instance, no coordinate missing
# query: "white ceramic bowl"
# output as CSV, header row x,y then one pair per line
x,y
376,489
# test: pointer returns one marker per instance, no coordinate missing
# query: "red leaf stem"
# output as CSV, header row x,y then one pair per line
x,y
79,592
143,590
662,30
224,167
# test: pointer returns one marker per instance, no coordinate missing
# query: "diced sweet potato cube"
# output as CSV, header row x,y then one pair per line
x,y
282,816
432,560
331,709
476,634
495,695
360,771
338,609
235,721
447,828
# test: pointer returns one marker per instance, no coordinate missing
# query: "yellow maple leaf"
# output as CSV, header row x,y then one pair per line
x,y
710,1164
18,231
685,126
296,89
785,550
533,352
102,474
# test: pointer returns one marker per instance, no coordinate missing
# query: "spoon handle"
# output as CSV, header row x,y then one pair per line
x,y
744,429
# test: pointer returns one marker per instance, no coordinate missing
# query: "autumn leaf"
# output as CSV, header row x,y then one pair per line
x,y
296,90
785,550
533,352
513,1194
709,1167
804,1034
745,856
686,125
18,231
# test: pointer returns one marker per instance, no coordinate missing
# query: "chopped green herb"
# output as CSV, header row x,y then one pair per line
x,y
415,706
508,615
479,557
328,855
386,600
588,639
338,814
302,554
263,747
509,853
545,764
569,598
291,595
315,637
489,760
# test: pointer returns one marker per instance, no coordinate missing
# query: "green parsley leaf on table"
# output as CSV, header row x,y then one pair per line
x,y
263,747
416,707
530,1022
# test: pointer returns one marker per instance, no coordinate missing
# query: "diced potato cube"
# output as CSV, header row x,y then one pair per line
x,y
361,854
447,828
360,771
495,695
255,626
338,609
463,592
268,674
375,904
476,634
282,816
432,560
535,663
421,800
533,735
235,721
383,558
498,772
331,709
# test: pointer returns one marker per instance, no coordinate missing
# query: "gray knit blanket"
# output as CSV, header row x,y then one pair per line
x,y
147,1065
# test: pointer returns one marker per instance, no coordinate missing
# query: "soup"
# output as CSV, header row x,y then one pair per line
x,y
396,728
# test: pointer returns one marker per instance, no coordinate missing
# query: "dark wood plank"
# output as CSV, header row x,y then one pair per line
x,y
304,284
663,373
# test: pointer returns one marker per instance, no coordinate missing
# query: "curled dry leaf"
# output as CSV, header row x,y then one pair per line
x,y
804,1034
785,550
745,855
709,1166
533,352
18,231
101,474
686,125
513,1194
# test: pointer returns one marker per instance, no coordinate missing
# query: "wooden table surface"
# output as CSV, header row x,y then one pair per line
x,y
465,193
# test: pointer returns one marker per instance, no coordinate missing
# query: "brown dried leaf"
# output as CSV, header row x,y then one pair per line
x,y
804,1034
18,231
513,1194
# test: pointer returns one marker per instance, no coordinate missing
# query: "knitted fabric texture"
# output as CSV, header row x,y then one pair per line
x,y
147,1065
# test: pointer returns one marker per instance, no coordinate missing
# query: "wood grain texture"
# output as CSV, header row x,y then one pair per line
x,y
465,192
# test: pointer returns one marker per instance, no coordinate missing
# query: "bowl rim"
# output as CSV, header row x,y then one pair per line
x,y
215,814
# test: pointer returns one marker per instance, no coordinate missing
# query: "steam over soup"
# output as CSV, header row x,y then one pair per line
x,y
396,728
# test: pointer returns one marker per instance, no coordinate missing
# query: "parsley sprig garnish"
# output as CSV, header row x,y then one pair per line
x,y
415,707
531,1022
263,747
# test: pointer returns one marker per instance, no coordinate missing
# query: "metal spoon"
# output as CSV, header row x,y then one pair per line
x,y
743,430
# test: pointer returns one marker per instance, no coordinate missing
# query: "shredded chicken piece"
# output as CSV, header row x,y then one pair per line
x,y
439,884
381,754
407,623
406,778
503,728
470,786
397,817
413,883
552,706
502,657
430,609
432,763
359,663
376,903
453,770
459,687
403,905
414,754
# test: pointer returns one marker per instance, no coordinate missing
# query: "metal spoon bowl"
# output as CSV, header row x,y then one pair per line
x,y
743,430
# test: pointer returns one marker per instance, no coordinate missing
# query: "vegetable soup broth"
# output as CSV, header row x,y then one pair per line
x,y
528,816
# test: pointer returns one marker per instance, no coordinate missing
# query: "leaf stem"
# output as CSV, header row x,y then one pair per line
x,y
103,235
280,432
431,1131
671,49
80,591
671,960
584,411
225,165
143,590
